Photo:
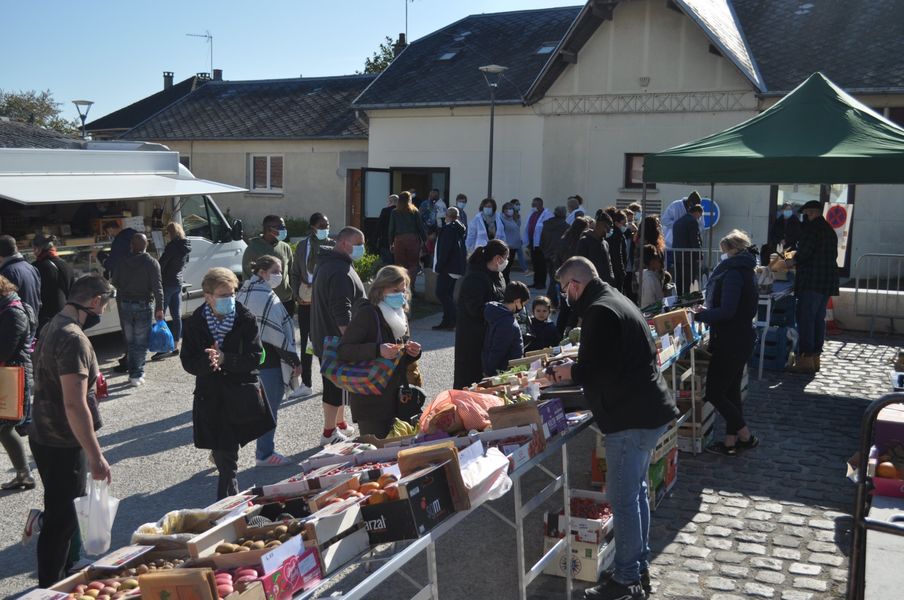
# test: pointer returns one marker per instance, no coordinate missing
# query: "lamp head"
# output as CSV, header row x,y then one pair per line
x,y
493,69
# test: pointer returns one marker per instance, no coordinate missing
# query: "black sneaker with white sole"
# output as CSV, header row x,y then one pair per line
x,y
609,589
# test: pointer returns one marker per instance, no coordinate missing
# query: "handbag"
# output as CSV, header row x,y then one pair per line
x,y
367,377
12,393
249,412
410,402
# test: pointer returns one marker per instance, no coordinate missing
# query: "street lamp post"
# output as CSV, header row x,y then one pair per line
x,y
491,76
83,114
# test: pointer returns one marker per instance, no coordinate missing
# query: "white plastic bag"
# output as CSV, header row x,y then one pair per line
x,y
96,511
486,478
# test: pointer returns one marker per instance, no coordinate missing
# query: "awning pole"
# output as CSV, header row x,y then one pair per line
x,y
709,258
643,210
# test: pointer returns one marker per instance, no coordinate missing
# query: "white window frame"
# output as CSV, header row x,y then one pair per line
x,y
269,188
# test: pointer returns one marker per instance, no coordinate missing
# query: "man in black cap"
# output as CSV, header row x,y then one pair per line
x,y
815,282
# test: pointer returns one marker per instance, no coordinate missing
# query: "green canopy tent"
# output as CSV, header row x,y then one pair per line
x,y
816,134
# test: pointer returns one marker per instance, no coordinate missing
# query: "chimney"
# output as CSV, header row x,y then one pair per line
x,y
400,45
167,80
218,74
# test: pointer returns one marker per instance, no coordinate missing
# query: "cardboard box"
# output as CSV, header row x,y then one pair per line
x,y
666,472
553,414
445,453
337,531
702,410
288,569
179,584
39,594
591,531
666,442
109,565
689,444
424,502
667,322
204,546
587,562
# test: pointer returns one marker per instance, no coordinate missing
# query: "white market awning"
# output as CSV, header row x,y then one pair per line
x,y
49,189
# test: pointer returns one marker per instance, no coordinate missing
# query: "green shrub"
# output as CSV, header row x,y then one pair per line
x,y
367,266
296,228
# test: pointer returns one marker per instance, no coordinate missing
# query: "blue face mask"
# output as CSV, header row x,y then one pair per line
x,y
357,252
461,205
787,214
395,300
609,233
488,211
225,306
281,235
322,234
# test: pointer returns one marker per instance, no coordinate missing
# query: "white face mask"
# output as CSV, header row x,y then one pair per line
x,y
724,256
274,280
502,266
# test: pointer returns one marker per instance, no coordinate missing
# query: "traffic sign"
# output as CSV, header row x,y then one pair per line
x,y
710,213
837,216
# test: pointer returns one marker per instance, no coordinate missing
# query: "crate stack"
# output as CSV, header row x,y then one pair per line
x,y
781,335
704,415
592,539
663,471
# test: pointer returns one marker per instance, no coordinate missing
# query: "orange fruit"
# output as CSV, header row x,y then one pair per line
x,y
378,497
887,469
367,488
386,478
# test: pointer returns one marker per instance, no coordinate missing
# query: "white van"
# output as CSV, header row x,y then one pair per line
x,y
73,193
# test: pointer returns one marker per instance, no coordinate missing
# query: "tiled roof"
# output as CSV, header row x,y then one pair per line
x,y
720,23
420,76
306,108
22,135
858,45
135,113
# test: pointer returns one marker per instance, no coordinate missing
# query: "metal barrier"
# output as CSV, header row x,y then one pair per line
x,y
690,267
878,292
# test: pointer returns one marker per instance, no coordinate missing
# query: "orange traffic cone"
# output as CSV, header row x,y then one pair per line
x,y
832,327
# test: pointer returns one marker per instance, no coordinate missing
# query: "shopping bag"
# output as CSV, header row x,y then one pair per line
x,y
160,339
368,377
12,393
96,511
101,390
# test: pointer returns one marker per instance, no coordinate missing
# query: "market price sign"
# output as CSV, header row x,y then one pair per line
x,y
710,213
839,217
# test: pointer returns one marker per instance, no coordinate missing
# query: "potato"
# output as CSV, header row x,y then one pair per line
x,y
280,530
226,548
257,545
242,549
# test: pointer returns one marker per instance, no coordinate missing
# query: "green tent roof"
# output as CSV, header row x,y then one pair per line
x,y
815,134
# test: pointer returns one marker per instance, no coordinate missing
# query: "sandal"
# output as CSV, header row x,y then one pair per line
x,y
751,443
721,448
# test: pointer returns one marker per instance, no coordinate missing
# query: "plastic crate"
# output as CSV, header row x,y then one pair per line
x,y
783,312
779,347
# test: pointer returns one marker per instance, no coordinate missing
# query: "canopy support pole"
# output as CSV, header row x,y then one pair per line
x,y
643,209
709,253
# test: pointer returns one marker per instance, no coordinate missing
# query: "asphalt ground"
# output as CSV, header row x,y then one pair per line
x,y
808,426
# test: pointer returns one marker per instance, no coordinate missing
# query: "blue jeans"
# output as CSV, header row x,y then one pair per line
x,y
172,300
272,380
627,462
136,319
519,254
811,321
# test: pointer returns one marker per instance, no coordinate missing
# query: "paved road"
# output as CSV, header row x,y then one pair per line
x,y
773,523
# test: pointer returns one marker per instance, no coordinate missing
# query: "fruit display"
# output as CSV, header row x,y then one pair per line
x,y
401,429
267,539
105,589
231,580
891,463
587,508
385,489
150,566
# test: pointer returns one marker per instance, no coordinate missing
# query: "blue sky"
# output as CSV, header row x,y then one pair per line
x,y
114,52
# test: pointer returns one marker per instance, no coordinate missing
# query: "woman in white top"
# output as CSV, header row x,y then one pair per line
x,y
485,226
651,288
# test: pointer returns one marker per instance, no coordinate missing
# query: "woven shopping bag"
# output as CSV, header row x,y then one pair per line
x,y
368,377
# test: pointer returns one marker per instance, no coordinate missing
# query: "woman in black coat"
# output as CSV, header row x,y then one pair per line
x,y
384,309
222,349
481,284
731,303
56,278
172,264
17,329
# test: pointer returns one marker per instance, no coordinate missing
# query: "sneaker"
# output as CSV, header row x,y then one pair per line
x,y
721,448
210,458
645,582
22,481
274,460
121,368
302,391
33,523
753,442
336,438
162,355
348,432
440,327
136,381
610,589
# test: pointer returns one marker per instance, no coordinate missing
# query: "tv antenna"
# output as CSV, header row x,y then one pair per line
x,y
207,36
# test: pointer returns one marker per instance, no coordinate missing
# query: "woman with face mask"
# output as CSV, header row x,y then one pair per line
x,y
486,225
482,283
511,220
281,360
221,347
379,327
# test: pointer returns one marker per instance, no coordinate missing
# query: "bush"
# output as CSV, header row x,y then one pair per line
x,y
367,266
296,228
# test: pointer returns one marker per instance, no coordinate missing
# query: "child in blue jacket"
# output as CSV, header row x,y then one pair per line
x,y
503,340
543,332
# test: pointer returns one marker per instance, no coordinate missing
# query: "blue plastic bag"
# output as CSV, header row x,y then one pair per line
x,y
160,339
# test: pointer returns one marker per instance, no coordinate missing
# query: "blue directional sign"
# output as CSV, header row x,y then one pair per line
x,y
710,213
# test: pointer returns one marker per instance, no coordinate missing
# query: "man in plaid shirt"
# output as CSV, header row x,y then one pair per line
x,y
816,281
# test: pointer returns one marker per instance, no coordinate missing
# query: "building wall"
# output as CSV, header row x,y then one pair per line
x,y
459,140
314,176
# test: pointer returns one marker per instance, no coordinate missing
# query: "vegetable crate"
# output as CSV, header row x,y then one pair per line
x,y
779,348
587,562
661,477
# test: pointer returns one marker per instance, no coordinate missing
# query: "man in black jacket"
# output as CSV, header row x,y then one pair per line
x,y
23,275
449,263
595,248
618,369
139,290
686,244
383,242
618,246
